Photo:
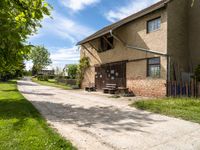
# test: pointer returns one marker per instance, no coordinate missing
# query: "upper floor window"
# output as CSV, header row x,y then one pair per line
x,y
153,25
153,67
106,43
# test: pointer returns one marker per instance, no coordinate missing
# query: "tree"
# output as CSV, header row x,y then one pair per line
x,y
40,58
72,71
18,20
84,64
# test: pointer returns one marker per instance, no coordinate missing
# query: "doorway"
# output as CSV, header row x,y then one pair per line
x,y
112,73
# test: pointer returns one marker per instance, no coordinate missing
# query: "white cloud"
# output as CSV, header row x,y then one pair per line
x,y
63,56
77,5
63,27
66,54
29,65
132,7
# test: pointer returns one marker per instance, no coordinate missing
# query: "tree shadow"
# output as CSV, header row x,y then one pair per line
x,y
113,118
41,94
27,84
18,109
10,90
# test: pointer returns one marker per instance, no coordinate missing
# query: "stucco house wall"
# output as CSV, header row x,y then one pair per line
x,y
177,37
134,33
194,33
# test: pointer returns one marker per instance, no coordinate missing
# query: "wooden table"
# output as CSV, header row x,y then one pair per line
x,y
122,90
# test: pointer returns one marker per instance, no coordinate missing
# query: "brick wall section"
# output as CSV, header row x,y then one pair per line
x,y
147,87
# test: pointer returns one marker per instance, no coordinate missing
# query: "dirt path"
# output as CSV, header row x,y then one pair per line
x,y
94,122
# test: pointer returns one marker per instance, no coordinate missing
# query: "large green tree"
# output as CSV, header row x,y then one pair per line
x,y
18,20
72,71
40,58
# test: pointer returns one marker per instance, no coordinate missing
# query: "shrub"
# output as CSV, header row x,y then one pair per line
x,y
72,71
83,65
43,77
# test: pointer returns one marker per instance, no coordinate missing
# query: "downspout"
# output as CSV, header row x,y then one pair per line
x,y
168,74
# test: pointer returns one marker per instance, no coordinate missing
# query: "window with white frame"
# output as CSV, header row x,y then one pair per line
x,y
153,25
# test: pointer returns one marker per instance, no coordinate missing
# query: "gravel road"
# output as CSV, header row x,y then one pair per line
x,y
96,122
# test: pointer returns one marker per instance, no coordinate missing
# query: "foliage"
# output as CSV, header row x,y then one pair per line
x,y
197,73
188,109
43,77
40,58
27,73
72,71
21,125
83,65
53,83
18,20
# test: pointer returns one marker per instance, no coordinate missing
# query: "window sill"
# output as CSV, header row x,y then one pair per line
x,y
154,31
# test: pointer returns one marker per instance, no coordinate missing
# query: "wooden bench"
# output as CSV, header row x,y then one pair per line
x,y
110,88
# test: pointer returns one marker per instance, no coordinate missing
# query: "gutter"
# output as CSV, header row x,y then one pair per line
x,y
135,47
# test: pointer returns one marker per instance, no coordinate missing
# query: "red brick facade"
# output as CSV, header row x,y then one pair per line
x,y
147,87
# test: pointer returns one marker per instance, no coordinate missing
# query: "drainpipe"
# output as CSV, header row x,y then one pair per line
x,y
168,74
134,47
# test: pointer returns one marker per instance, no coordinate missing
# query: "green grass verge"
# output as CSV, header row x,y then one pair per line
x,y
52,83
21,125
187,109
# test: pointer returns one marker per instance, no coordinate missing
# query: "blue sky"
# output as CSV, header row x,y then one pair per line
x,y
74,20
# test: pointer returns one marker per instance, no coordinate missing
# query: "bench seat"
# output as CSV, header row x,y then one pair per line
x,y
110,88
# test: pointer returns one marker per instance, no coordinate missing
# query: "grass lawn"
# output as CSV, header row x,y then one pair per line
x,y
187,109
52,83
21,125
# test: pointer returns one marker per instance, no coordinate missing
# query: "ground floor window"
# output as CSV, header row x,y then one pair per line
x,y
153,67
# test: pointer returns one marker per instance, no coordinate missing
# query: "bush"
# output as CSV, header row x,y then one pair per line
x,y
43,77
72,71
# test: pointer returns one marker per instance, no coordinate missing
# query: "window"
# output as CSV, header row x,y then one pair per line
x,y
106,43
153,67
153,25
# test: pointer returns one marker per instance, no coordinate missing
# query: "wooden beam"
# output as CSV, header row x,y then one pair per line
x,y
111,45
90,53
93,46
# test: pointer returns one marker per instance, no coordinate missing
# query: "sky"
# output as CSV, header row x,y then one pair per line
x,y
73,20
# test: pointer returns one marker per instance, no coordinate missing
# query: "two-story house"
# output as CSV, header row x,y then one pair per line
x,y
147,49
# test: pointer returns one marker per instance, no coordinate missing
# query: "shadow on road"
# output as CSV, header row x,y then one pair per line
x,y
27,84
41,94
113,118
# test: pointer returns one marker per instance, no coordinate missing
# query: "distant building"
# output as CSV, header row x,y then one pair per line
x,y
46,72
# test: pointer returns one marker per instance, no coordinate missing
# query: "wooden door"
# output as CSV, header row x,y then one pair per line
x,y
114,73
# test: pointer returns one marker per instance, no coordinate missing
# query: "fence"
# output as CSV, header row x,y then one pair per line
x,y
183,89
